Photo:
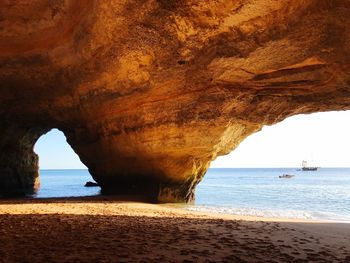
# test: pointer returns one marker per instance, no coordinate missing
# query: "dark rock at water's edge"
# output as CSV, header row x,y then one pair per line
x,y
91,184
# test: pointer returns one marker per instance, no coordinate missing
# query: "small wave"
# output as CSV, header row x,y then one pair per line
x,y
289,214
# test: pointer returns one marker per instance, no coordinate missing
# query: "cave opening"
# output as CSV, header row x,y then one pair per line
x,y
62,174
247,181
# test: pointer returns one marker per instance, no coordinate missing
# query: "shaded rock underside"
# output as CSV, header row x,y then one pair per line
x,y
149,92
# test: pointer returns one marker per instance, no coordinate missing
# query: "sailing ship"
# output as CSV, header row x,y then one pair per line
x,y
305,167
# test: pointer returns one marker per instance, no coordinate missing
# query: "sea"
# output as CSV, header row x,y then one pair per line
x,y
317,195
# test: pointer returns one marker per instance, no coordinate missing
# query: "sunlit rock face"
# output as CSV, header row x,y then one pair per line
x,y
149,92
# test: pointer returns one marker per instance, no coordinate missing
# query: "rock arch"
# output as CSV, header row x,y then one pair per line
x,y
149,92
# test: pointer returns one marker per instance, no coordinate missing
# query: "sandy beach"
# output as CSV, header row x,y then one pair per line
x,y
105,230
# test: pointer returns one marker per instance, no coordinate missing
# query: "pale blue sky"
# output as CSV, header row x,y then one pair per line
x,y
321,138
55,153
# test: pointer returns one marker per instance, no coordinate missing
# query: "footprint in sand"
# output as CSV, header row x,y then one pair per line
x,y
308,250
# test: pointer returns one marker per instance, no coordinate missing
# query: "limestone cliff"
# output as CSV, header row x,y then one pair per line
x,y
148,92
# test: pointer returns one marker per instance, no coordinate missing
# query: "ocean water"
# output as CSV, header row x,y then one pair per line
x,y
322,194
65,183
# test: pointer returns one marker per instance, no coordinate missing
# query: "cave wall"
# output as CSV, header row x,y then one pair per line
x,y
149,92
18,163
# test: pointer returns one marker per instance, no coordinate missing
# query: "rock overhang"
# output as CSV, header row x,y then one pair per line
x,y
149,92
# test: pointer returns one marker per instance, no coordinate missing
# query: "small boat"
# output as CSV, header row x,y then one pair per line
x,y
305,167
286,176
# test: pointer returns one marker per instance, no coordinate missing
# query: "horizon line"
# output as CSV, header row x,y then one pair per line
x,y
289,167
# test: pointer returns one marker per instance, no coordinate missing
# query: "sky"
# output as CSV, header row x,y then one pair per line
x,y
320,138
55,153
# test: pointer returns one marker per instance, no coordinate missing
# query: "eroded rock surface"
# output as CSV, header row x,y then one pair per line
x,y
149,92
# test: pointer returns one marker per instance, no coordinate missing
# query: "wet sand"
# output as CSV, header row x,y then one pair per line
x,y
105,230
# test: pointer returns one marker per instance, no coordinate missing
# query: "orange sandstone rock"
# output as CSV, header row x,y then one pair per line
x,y
149,92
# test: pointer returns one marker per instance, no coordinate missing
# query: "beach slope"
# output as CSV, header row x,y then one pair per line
x,y
104,230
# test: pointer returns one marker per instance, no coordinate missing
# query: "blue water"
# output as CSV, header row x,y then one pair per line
x,y
65,183
322,194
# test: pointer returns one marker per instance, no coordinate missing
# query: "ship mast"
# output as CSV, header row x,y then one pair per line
x,y
304,163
